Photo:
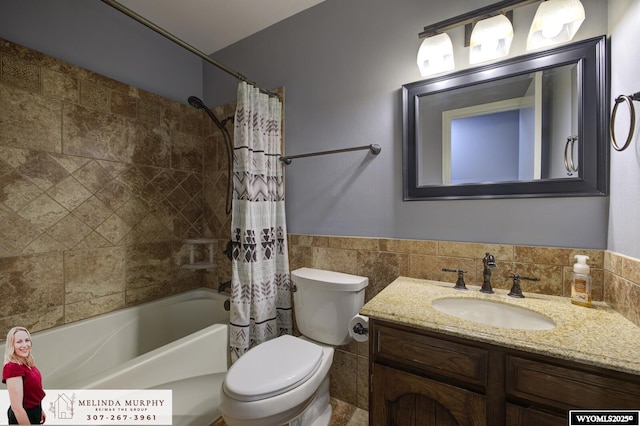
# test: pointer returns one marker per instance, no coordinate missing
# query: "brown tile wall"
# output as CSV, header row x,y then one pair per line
x,y
616,280
99,183
622,285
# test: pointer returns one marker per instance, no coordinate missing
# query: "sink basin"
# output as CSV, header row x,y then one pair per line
x,y
493,313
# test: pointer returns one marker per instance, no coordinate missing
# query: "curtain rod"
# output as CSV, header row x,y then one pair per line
x,y
130,13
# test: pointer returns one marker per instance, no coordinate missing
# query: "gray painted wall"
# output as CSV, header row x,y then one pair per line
x,y
93,35
624,226
342,64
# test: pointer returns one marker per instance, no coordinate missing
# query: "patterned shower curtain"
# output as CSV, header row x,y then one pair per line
x,y
260,281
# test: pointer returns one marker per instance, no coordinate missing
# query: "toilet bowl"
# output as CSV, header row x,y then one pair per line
x,y
289,386
286,380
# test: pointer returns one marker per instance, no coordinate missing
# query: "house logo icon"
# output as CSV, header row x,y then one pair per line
x,y
62,407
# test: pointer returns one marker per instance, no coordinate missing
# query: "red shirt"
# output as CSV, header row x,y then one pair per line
x,y
31,379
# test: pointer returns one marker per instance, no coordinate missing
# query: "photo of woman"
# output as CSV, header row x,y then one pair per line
x,y
23,379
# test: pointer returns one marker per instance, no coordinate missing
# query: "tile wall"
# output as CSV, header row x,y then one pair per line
x,y
616,280
99,183
622,285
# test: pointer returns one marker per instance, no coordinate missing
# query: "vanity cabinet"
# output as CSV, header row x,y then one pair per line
x,y
528,416
560,386
410,399
420,377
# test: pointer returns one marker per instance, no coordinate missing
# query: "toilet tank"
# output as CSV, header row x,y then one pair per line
x,y
325,302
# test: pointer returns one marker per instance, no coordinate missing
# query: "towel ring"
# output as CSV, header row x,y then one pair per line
x,y
632,114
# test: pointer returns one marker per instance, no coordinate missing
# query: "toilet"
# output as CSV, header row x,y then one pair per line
x,y
285,381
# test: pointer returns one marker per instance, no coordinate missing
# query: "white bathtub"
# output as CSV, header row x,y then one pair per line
x,y
179,343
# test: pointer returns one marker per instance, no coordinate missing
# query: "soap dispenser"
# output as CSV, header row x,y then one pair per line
x,y
581,282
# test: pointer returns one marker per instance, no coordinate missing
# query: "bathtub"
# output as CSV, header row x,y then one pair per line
x,y
179,343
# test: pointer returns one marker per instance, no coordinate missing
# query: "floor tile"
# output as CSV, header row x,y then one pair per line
x,y
343,415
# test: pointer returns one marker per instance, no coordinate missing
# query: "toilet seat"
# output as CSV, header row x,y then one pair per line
x,y
272,368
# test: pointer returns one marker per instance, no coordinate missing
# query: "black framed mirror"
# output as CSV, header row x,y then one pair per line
x,y
532,126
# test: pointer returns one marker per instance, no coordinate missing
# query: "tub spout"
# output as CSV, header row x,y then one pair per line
x,y
224,286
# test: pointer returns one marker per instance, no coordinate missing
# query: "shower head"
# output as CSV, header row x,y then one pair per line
x,y
196,102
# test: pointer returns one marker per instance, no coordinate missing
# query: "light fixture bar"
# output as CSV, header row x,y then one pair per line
x,y
474,16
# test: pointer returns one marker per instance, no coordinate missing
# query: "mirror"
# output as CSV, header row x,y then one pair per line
x,y
531,126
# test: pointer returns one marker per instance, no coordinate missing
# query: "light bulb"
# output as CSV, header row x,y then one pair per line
x,y
551,28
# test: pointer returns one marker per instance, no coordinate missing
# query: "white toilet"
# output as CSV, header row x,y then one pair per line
x,y
285,380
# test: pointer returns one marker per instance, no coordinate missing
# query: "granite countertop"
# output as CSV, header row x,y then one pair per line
x,y
596,336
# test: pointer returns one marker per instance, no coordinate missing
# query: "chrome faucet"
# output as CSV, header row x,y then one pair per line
x,y
489,263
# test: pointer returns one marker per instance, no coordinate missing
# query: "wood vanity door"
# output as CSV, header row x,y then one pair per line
x,y
528,416
404,399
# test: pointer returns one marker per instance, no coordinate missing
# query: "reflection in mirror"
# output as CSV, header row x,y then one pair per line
x,y
530,126
502,123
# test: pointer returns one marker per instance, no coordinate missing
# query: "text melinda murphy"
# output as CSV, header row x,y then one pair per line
x,y
102,406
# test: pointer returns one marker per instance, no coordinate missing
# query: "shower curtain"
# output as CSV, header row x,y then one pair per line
x,y
260,281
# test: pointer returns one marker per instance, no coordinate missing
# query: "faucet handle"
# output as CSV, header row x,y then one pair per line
x,y
460,285
516,291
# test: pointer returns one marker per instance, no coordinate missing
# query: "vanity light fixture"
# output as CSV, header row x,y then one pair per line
x,y
556,21
488,32
491,39
435,55
487,20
